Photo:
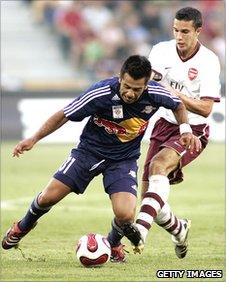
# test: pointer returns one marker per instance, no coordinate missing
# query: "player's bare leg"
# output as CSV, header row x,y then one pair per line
x,y
124,205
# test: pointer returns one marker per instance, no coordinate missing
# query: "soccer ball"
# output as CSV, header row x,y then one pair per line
x,y
93,250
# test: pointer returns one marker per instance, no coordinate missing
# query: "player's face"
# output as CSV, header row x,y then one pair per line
x,y
131,89
186,36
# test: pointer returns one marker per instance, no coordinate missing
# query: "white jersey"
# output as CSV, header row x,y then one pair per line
x,y
196,77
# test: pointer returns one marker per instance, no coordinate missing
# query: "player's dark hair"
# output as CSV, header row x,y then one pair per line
x,y
190,14
137,67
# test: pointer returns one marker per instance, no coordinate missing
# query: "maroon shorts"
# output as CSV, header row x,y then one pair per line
x,y
166,134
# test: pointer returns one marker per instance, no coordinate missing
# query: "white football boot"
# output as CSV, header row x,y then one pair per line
x,y
181,240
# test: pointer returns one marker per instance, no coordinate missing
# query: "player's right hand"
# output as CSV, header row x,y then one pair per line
x,y
191,142
24,145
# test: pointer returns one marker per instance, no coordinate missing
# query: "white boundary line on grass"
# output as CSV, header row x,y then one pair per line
x,y
13,204
16,204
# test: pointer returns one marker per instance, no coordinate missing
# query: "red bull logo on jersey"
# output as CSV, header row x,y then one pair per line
x,y
192,73
126,130
110,126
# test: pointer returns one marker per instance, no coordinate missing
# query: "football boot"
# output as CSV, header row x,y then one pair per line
x,y
14,235
181,240
118,254
131,231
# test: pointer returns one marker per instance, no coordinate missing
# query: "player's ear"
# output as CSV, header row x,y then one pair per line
x,y
120,78
198,30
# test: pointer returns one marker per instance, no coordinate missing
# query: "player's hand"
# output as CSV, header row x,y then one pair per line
x,y
24,145
191,142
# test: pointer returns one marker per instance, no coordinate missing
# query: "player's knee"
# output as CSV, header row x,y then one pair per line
x,y
125,216
144,189
158,166
45,200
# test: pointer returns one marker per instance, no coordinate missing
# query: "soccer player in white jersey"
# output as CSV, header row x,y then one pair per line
x,y
191,72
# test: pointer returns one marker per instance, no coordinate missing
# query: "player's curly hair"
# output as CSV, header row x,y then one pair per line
x,y
137,67
190,14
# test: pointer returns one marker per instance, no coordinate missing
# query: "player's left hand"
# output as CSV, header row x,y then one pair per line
x,y
191,142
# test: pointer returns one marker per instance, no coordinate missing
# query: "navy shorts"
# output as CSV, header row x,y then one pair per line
x,y
81,167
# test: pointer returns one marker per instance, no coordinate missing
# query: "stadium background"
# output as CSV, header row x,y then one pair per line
x,y
55,49
52,50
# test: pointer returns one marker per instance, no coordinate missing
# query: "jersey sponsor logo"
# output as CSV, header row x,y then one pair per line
x,y
192,73
110,126
176,85
148,109
126,130
117,111
134,127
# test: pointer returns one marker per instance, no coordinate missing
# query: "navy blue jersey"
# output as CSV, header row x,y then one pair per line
x,y
115,129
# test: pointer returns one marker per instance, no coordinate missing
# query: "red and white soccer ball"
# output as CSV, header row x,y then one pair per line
x,y
93,250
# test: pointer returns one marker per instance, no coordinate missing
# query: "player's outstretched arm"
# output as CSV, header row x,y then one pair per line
x,y
51,125
202,107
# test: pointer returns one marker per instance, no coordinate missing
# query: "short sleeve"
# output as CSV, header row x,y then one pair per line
x,y
210,80
155,57
87,103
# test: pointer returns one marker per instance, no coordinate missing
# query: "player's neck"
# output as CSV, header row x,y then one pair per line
x,y
184,56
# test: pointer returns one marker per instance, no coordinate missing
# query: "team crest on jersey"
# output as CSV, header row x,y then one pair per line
x,y
192,73
117,111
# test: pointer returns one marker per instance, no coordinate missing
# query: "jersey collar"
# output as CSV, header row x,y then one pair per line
x,y
197,47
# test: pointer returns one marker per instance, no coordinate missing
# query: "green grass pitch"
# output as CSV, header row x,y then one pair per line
x,y
48,252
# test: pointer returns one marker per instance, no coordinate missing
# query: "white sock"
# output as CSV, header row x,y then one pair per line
x,y
167,220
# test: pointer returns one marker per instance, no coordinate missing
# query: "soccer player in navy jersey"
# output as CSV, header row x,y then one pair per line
x,y
118,109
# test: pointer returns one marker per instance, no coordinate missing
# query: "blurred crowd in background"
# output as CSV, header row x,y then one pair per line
x,y
96,36
54,49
